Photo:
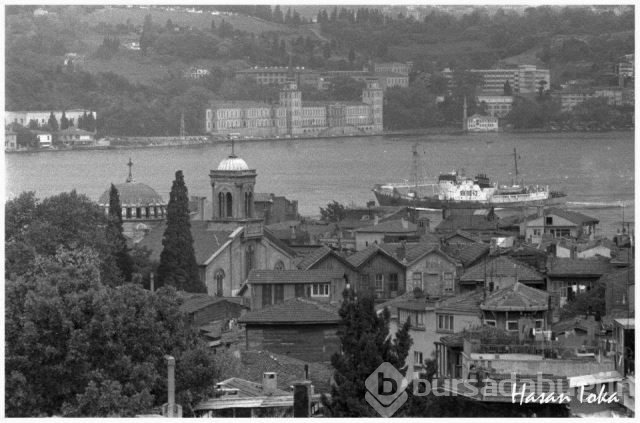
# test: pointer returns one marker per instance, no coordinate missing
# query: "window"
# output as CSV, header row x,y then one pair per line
x,y
229,199
536,232
415,318
539,323
278,293
248,257
548,220
512,325
320,290
417,280
417,358
364,282
279,265
393,282
491,323
379,281
448,282
219,277
445,323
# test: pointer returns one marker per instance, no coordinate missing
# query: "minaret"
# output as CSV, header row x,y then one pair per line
x,y
464,114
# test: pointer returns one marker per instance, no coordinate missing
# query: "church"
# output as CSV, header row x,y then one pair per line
x,y
233,241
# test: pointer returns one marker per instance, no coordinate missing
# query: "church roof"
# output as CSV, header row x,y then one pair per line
x,y
233,163
134,194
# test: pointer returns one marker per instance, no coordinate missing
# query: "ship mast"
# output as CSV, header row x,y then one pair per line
x,y
515,159
414,168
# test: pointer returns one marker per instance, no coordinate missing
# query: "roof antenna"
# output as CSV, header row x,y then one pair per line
x,y
130,164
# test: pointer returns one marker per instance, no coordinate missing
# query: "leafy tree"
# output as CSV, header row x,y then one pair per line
x,y
334,212
507,88
366,344
344,88
115,235
592,301
76,347
178,266
64,122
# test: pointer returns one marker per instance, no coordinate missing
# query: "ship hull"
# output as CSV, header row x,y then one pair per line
x,y
389,199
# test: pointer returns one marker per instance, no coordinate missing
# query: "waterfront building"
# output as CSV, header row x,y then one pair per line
x,y
290,117
523,79
479,123
393,67
73,136
10,140
279,75
195,72
497,105
45,139
41,117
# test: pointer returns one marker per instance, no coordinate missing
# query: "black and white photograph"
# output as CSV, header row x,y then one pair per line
x,y
234,210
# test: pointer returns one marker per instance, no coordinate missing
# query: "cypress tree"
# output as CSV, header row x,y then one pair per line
x,y
115,236
64,122
53,122
90,123
365,346
178,266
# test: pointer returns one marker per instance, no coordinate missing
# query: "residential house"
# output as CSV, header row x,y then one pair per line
x,y
479,123
299,327
510,307
379,273
428,268
569,249
460,239
559,224
570,277
580,333
268,287
324,258
275,209
74,136
619,293
202,309
389,231
195,72
529,255
10,140
480,224
45,139
498,272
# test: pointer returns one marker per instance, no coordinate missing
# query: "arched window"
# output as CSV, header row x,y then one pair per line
x,y
221,204
246,205
279,265
249,259
219,278
229,199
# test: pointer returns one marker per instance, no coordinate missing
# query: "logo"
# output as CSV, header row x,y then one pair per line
x,y
386,390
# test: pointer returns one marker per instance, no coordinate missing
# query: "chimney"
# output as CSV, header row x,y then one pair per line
x,y
151,287
302,399
401,253
171,385
306,372
269,382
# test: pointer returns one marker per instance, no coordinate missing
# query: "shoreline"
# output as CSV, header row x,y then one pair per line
x,y
213,141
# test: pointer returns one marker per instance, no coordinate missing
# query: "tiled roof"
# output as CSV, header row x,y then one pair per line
x,y
468,254
249,389
576,323
390,226
414,251
501,266
518,297
574,217
277,242
311,258
591,267
293,276
359,258
288,370
620,277
468,303
205,242
463,234
417,304
455,340
194,302
292,312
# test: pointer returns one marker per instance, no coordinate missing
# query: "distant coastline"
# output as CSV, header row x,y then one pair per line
x,y
153,142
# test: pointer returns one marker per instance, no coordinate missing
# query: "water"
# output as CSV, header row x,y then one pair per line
x,y
596,170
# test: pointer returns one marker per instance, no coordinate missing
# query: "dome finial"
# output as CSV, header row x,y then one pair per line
x,y
130,177
233,148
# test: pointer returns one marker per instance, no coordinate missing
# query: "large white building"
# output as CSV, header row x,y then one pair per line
x,y
497,105
523,80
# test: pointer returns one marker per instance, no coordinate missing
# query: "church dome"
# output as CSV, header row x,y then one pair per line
x,y
134,194
233,163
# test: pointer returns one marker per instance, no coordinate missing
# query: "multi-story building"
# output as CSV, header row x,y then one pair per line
x,y
280,75
41,117
10,140
615,96
291,118
393,67
478,123
497,105
524,79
